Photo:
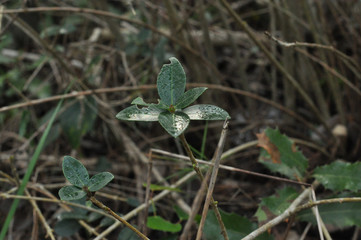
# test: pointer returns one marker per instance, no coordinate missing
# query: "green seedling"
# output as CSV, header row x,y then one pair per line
x,y
75,172
174,113
172,110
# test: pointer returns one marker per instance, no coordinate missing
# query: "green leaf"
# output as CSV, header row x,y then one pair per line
x,y
107,221
67,227
276,203
75,172
189,97
140,101
171,82
293,162
155,187
174,123
180,213
99,180
133,113
236,225
78,119
68,193
339,176
206,112
73,215
127,234
338,214
159,223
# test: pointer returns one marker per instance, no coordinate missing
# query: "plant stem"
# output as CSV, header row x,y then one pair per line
x,y
116,216
201,178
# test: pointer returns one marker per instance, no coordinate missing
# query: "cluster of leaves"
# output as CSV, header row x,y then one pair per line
x,y
75,172
280,155
172,110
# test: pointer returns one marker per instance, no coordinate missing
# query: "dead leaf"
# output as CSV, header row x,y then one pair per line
x,y
272,150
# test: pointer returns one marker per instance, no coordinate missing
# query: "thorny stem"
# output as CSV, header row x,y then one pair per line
x,y
201,178
96,202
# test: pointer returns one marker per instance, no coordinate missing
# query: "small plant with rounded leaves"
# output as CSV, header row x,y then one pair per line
x,y
172,110
83,186
174,113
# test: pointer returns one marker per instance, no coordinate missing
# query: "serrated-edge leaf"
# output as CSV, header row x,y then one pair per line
x,y
189,97
159,223
206,112
133,113
293,163
339,176
174,123
99,180
75,172
171,82
68,193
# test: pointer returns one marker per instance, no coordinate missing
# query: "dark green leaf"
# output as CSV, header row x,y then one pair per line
x,y
339,176
133,113
174,123
73,215
67,227
293,162
206,112
99,180
159,223
127,234
93,216
277,203
236,225
68,193
78,119
171,82
189,97
75,172
337,214
106,221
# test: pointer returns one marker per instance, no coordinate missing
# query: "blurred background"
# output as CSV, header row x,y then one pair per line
x,y
292,65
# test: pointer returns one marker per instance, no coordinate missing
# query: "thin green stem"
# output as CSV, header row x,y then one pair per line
x,y
201,178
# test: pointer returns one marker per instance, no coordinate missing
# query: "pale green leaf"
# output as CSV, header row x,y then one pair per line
x,y
174,123
171,82
133,113
206,112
